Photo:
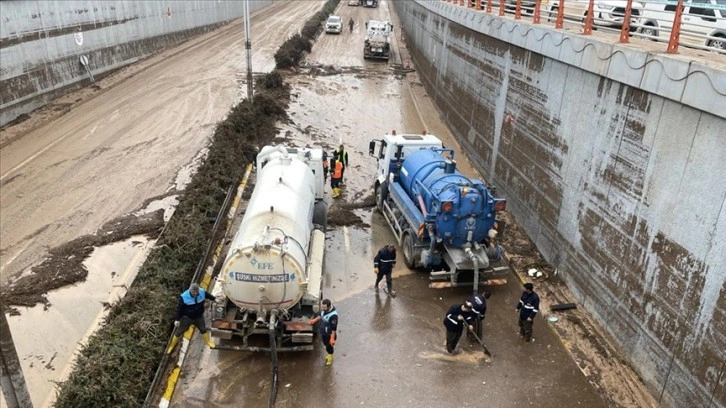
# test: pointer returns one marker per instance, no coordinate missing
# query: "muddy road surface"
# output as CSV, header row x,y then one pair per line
x,y
107,151
390,351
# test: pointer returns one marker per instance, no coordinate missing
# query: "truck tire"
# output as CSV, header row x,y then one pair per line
x,y
408,250
320,215
381,195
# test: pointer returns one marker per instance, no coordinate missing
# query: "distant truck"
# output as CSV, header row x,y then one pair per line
x,y
443,220
370,3
377,43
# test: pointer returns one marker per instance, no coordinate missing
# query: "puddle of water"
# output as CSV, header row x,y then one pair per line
x,y
74,314
168,204
468,357
184,176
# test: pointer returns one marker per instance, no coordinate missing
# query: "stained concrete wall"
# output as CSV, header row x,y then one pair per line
x,y
41,41
613,160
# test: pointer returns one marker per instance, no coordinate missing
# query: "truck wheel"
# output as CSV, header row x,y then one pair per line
x,y
320,215
408,254
381,195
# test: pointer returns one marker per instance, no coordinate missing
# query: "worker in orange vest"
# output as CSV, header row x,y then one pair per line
x,y
336,166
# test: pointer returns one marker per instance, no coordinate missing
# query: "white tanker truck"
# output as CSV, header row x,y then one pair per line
x,y
270,284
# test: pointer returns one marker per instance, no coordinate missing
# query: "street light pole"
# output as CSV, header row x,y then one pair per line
x,y
248,47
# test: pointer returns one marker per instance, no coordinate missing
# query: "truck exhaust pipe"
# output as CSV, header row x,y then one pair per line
x,y
475,261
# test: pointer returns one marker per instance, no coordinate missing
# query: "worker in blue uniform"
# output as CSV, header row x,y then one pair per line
x,y
383,265
456,317
327,326
190,311
478,305
527,308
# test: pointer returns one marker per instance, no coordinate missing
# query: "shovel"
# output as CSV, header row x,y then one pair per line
x,y
486,350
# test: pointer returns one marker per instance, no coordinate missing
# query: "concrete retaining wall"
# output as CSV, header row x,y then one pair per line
x,y
41,41
613,160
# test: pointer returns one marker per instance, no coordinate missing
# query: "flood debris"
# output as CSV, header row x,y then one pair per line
x,y
64,265
563,306
342,214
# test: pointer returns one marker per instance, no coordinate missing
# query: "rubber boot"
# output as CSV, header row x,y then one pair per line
x,y
336,192
328,359
208,340
174,341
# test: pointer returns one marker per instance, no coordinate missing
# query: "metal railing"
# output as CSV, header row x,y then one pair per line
x,y
699,24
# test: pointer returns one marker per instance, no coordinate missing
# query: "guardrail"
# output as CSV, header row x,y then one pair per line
x,y
697,24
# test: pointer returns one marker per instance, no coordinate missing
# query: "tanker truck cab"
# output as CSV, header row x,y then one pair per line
x,y
392,149
270,283
443,221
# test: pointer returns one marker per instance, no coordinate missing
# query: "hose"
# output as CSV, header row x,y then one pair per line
x,y
273,355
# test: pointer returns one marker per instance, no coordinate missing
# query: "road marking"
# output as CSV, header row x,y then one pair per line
x,y
346,238
12,258
31,158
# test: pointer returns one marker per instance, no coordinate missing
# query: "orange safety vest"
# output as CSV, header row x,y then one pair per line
x,y
338,170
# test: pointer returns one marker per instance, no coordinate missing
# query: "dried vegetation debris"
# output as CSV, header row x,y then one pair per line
x,y
341,214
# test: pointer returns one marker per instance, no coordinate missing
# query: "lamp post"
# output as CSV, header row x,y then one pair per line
x,y
248,47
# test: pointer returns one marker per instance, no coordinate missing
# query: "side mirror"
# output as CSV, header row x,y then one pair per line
x,y
372,148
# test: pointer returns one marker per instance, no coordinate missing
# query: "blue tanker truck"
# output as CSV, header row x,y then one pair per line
x,y
444,221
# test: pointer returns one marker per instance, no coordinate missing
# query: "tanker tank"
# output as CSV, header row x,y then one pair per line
x,y
272,274
460,207
265,265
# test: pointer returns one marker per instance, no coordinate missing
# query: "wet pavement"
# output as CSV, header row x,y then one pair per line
x,y
390,351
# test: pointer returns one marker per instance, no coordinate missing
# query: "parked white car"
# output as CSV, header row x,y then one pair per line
x,y
606,13
334,25
703,22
